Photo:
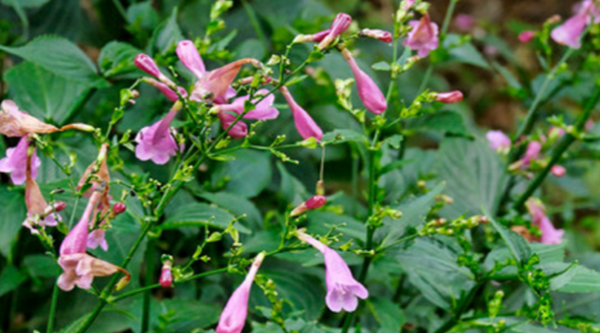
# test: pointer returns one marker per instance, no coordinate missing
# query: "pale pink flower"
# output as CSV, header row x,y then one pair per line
x,y
97,238
305,125
550,235
156,142
216,84
343,290
315,202
233,317
526,36
15,162
464,22
168,92
498,141
17,123
449,97
40,213
558,170
166,275
368,91
238,131
423,37
382,35
263,110
569,33
189,56
532,153
341,22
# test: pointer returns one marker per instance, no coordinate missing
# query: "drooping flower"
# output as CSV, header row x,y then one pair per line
x,y
550,235
368,91
156,142
558,170
498,141
423,37
16,161
315,202
569,33
343,290
39,213
264,110
526,36
305,125
216,84
189,56
168,92
119,208
449,97
238,131
532,152
234,314
341,22
79,268
382,35
16,123
166,276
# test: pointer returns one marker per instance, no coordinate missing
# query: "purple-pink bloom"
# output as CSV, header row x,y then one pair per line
x,y
156,142
234,314
315,202
15,162
449,97
264,110
382,35
341,22
97,238
147,64
168,92
238,131
569,33
532,152
368,91
343,290
558,170
189,56
498,140
305,125
216,84
423,37
526,36
550,235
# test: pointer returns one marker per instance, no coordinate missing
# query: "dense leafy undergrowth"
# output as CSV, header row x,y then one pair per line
x,y
274,166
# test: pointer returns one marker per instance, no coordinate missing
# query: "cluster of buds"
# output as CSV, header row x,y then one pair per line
x,y
442,227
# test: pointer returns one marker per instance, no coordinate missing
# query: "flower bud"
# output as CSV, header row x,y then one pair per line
x,y
314,202
119,208
558,170
449,97
526,36
166,276
382,35
146,64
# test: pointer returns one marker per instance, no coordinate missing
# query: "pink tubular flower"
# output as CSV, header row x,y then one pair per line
x,y
368,91
532,152
234,314
238,131
39,213
79,268
156,142
216,84
170,94
382,35
550,235
315,202
318,37
449,97
145,63
569,33
15,162
17,123
498,141
526,36
341,22
342,289
166,276
189,56
305,125
558,170
263,110
97,238
423,37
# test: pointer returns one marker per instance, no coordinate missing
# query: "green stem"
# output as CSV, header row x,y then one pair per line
x,y
51,318
150,253
463,306
562,147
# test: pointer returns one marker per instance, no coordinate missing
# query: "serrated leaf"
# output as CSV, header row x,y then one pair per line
x,y
578,279
388,315
517,245
167,34
248,175
43,94
59,56
442,121
199,214
116,58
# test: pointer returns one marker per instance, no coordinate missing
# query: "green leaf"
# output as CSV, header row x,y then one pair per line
x,y
44,94
474,173
344,135
116,58
59,56
247,175
41,266
443,121
291,189
465,52
167,34
25,3
578,279
236,205
517,245
14,214
188,315
390,316
381,66
433,269
200,214
10,279
413,213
